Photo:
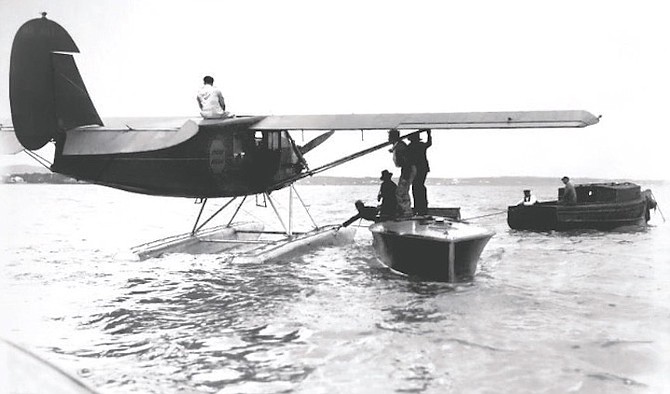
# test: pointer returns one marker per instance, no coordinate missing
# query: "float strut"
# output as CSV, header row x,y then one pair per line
x,y
202,208
272,204
316,226
195,226
236,211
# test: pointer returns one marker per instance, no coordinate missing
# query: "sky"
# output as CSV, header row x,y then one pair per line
x,y
147,58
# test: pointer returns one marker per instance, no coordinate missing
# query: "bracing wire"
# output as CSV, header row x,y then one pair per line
x,y
39,159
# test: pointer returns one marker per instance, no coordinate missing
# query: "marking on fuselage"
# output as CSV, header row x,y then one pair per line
x,y
217,159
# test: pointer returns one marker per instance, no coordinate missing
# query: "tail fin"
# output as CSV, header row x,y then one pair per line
x,y
46,91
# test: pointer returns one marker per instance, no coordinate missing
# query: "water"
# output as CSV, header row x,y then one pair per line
x,y
549,312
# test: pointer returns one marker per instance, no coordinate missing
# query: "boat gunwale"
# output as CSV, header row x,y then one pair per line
x,y
376,228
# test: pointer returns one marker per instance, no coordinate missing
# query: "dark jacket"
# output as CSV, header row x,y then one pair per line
x,y
570,194
388,198
367,213
417,154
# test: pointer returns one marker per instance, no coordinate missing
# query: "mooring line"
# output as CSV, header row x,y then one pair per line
x,y
658,206
483,216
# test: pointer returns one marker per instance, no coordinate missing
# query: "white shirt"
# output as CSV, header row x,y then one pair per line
x,y
531,201
210,99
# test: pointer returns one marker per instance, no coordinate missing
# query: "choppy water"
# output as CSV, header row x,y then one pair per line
x,y
554,312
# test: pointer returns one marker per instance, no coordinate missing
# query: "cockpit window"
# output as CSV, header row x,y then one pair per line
x,y
274,140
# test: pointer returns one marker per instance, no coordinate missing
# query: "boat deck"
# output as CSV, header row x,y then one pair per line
x,y
437,229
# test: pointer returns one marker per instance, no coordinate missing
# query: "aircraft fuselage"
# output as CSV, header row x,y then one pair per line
x,y
219,160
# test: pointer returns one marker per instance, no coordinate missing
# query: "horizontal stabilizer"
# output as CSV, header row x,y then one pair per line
x,y
104,141
460,120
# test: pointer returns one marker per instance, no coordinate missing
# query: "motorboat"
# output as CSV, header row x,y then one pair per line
x,y
600,206
430,247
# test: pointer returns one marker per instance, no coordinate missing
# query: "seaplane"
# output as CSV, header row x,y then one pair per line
x,y
234,157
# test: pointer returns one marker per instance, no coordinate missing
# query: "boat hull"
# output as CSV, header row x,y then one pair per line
x,y
599,206
430,250
554,216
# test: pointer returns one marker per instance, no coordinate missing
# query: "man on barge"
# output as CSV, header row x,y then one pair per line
x,y
570,194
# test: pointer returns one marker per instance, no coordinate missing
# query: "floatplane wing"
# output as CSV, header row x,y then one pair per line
x,y
417,121
459,120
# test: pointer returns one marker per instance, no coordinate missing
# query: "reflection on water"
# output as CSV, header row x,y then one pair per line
x,y
552,312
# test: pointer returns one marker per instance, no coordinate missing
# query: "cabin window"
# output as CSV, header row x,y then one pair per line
x,y
274,140
258,139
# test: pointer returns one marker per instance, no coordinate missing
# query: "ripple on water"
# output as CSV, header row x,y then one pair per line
x,y
580,312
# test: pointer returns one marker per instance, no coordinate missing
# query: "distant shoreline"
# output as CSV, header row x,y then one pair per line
x,y
39,178
53,178
483,181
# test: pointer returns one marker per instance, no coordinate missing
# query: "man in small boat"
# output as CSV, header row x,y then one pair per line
x,y
417,153
402,160
528,198
210,100
569,195
387,196
364,212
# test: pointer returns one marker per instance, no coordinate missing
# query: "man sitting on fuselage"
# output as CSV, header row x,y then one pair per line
x,y
210,100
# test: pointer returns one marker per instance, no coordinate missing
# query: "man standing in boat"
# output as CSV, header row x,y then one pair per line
x,y
569,195
402,160
417,153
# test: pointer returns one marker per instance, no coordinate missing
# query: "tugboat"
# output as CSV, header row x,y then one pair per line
x,y
599,206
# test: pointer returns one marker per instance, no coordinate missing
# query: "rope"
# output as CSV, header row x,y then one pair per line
x,y
487,215
658,206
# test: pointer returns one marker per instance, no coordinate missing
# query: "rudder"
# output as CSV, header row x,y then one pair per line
x,y
46,91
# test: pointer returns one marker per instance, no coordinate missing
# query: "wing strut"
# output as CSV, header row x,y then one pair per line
x,y
337,162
